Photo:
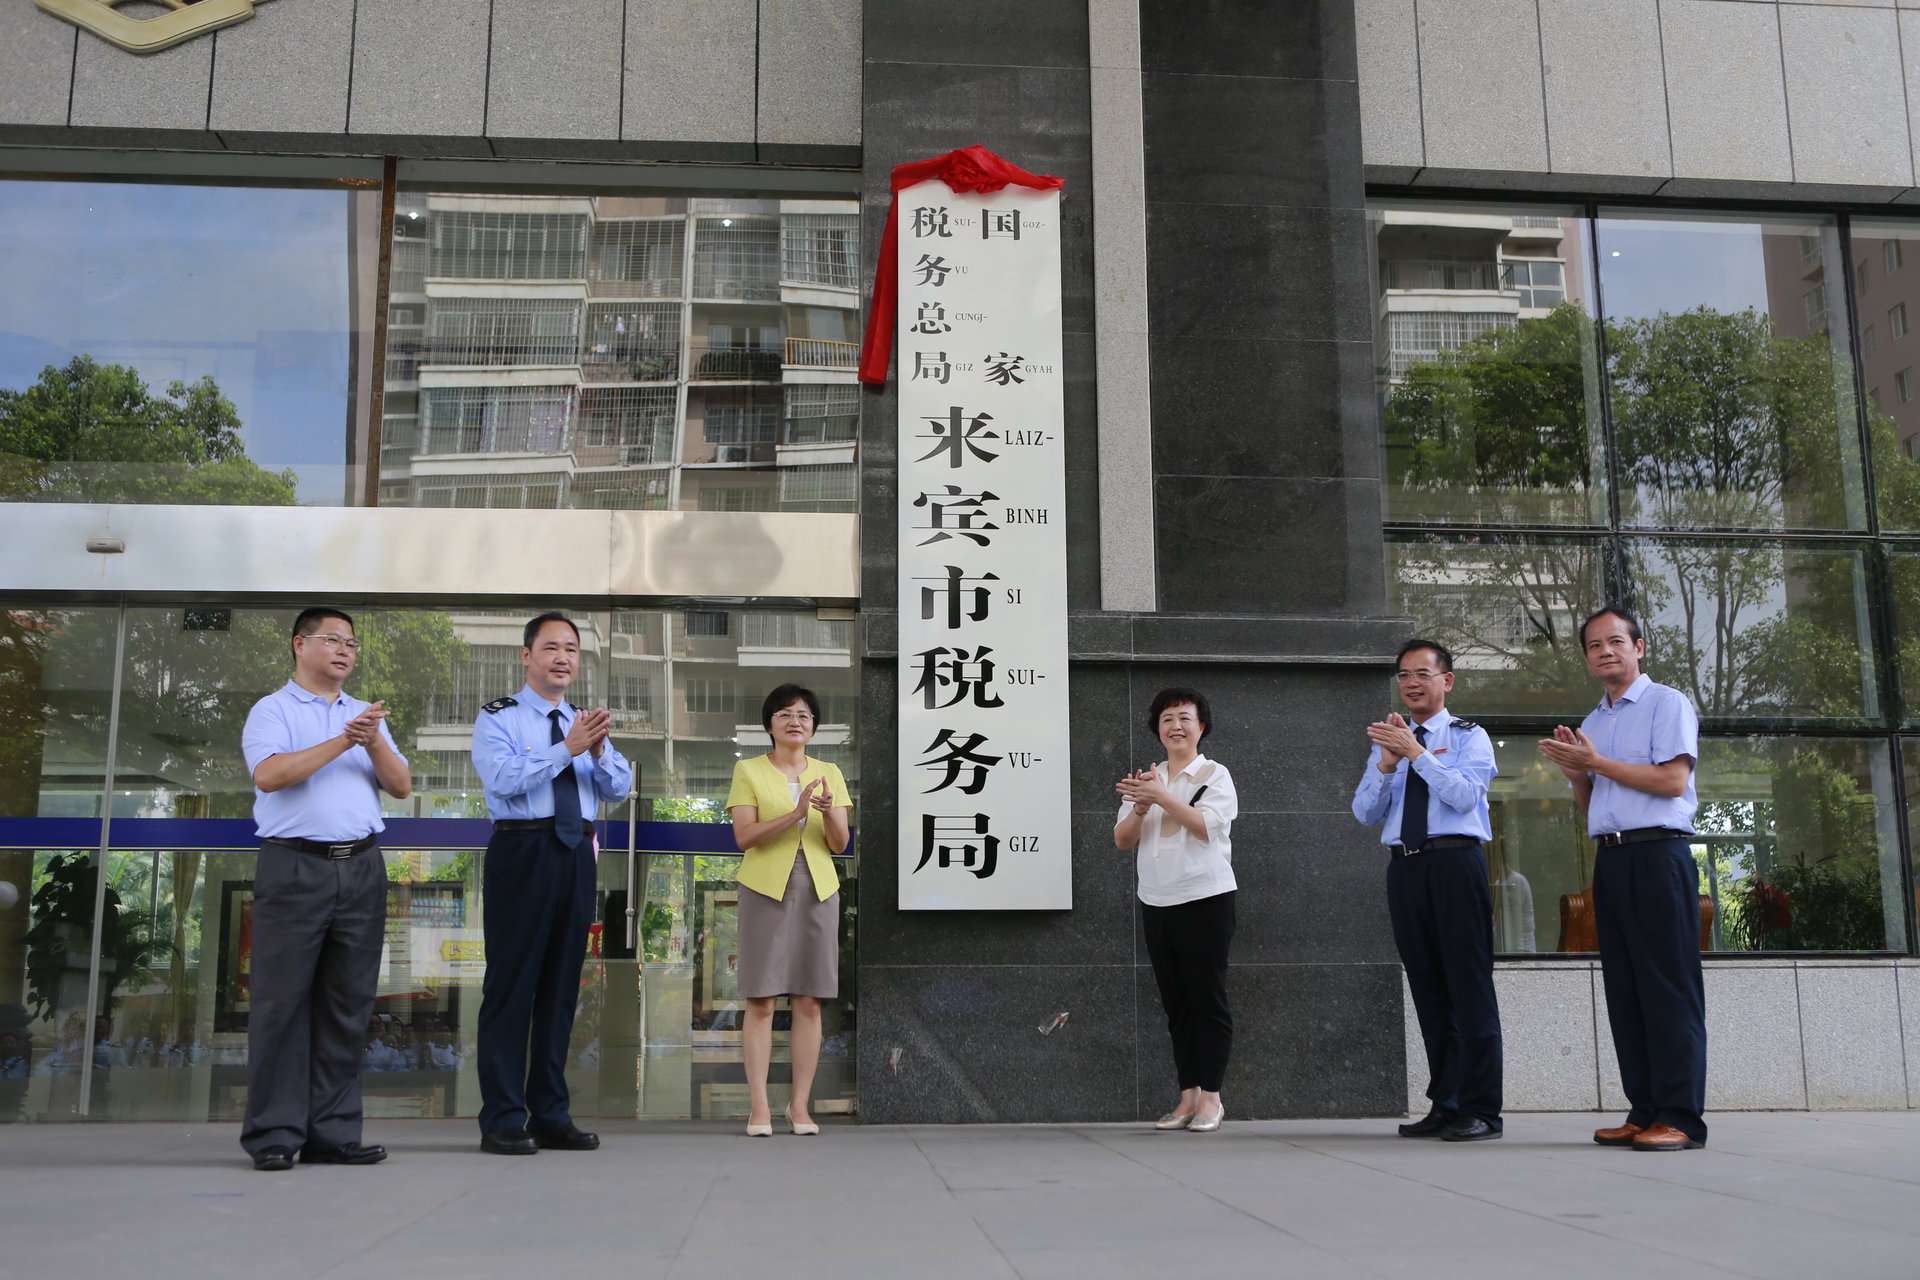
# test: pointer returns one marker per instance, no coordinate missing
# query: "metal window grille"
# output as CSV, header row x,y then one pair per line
x,y
828,488
822,412
636,341
793,631
504,331
1815,307
740,418
636,420
1440,273
639,258
1416,336
409,271
621,491
737,261
496,419
507,493
475,245
735,498
711,697
821,248
705,622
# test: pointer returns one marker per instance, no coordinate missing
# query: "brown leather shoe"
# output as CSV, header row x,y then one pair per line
x,y
1621,1137
1664,1137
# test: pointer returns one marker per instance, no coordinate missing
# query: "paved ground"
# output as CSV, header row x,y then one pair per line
x,y
1832,1196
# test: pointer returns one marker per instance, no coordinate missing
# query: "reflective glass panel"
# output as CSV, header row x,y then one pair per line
x,y
1728,375
1509,607
1886,269
185,344
56,681
1754,630
1796,848
621,352
1903,568
1488,376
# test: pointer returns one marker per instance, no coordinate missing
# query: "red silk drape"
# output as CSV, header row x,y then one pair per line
x,y
968,169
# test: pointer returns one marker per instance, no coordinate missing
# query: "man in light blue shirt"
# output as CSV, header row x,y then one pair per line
x,y
546,766
1631,764
1425,787
319,759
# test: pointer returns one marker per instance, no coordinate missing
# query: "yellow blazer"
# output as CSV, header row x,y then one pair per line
x,y
765,868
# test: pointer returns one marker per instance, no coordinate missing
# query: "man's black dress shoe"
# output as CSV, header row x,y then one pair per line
x,y
1428,1126
1468,1129
345,1153
509,1142
273,1159
566,1137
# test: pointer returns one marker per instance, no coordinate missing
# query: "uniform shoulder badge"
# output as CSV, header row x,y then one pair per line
x,y
1465,726
500,704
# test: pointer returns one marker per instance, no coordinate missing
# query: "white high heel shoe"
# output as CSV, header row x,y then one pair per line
x,y
759,1130
804,1130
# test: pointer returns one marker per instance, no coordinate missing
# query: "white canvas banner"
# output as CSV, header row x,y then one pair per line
x,y
984,802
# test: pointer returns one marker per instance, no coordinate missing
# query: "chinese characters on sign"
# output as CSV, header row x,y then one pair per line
x,y
984,798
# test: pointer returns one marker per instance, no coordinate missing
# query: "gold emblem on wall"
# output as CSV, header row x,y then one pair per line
x,y
189,18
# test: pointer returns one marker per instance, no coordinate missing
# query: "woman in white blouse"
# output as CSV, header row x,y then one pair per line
x,y
1179,814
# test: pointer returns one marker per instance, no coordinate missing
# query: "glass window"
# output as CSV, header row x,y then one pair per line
x,y
1758,630
1886,370
1509,608
1488,374
1795,848
185,344
596,351
1730,409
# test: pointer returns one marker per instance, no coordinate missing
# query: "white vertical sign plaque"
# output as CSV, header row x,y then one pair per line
x,y
984,801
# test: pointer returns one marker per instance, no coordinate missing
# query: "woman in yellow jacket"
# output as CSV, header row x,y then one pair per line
x,y
790,815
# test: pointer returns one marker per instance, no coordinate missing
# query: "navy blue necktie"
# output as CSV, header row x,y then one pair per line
x,y
566,794
1413,805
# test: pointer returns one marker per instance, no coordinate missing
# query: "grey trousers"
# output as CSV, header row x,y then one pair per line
x,y
318,926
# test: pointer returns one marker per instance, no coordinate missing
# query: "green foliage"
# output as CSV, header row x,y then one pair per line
x,y
63,922
681,809
1810,906
90,432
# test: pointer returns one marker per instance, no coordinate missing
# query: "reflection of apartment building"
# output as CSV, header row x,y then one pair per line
x,y
683,689
1446,277
1886,288
621,353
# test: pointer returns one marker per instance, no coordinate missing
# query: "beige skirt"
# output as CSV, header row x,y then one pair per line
x,y
790,947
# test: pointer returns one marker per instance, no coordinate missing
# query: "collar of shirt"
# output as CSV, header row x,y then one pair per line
x,y
1199,762
538,704
1435,722
1634,690
294,690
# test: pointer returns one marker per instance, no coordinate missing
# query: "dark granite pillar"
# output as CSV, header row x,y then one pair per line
x,y
1269,550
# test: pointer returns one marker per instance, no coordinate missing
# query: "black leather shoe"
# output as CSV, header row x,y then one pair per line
x,y
1468,1129
566,1137
509,1142
273,1159
1427,1127
345,1153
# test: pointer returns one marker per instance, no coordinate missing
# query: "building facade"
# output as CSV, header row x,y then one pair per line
x,y
1457,319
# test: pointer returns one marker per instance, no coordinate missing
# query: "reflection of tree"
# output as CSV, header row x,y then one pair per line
x,y
94,433
1719,422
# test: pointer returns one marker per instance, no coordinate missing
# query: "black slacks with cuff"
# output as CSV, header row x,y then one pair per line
x,y
1442,913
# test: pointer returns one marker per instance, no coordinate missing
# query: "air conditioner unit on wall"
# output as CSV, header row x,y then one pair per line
x,y
736,453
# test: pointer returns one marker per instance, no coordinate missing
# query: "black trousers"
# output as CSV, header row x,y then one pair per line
x,y
538,906
1646,910
1442,913
318,925
1188,945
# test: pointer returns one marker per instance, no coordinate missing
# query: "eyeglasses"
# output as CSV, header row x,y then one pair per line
x,y
794,717
334,642
1422,675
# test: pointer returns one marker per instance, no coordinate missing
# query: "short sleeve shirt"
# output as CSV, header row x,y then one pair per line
x,y
1648,724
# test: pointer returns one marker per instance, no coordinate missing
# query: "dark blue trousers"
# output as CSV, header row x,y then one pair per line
x,y
1646,910
539,904
1442,913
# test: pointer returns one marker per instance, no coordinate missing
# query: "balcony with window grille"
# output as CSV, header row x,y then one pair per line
x,y
822,353
1430,275
710,362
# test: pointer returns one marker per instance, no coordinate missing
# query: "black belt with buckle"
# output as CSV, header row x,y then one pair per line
x,y
343,849
523,824
1434,845
1639,835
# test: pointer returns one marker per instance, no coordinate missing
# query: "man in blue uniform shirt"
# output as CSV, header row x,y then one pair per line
x,y
1425,786
546,766
1631,765
319,759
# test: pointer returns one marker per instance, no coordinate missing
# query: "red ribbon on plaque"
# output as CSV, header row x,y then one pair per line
x,y
968,169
